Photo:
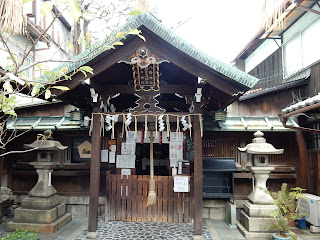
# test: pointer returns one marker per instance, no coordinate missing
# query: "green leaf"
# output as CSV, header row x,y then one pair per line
x,y
63,88
134,32
46,8
47,94
12,100
86,69
74,10
120,35
35,90
117,43
142,37
25,1
135,12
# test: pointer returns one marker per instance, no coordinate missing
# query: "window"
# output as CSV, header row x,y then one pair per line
x,y
302,50
314,138
292,56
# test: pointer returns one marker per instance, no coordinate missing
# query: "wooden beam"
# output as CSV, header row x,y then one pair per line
x,y
282,17
126,89
303,163
271,176
197,186
309,10
94,172
151,116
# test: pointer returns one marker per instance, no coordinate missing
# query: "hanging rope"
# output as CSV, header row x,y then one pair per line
x,y
152,197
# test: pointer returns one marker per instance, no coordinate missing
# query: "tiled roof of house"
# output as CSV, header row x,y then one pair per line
x,y
159,29
302,104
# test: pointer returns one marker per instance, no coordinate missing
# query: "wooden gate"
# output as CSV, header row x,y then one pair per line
x,y
126,200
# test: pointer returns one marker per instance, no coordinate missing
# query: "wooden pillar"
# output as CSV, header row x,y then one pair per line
x,y
94,171
303,164
197,166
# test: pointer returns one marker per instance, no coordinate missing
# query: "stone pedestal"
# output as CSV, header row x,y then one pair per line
x,y
255,220
42,211
259,194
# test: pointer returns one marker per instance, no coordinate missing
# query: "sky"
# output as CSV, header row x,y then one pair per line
x,y
221,28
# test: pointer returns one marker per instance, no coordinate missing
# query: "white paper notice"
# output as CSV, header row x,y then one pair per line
x,y
176,137
112,157
125,161
113,148
131,137
125,171
128,148
176,150
104,155
181,184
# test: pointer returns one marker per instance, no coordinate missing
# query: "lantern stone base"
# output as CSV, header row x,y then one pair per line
x,y
256,224
40,227
255,221
253,235
41,202
257,210
40,214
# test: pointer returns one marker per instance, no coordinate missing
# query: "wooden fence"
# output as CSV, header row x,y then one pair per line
x,y
126,199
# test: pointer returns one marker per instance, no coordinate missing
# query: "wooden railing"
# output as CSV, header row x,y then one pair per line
x,y
126,199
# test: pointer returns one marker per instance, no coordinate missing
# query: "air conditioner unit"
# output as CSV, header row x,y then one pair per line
x,y
311,207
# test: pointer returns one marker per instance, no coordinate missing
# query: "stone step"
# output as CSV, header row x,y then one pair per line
x,y
22,215
256,224
214,209
253,235
40,228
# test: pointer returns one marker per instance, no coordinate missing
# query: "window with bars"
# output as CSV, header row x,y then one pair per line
x,y
314,138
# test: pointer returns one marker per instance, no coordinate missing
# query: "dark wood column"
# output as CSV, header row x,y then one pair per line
x,y
197,189
94,171
303,163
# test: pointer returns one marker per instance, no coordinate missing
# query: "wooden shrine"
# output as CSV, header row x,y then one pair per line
x,y
149,93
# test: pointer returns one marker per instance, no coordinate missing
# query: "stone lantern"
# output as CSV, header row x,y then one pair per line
x,y
260,205
42,211
260,150
46,154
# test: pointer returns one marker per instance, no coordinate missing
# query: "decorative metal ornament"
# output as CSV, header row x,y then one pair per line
x,y
143,57
147,103
146,79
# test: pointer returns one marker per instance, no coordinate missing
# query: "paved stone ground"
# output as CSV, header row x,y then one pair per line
x,y
118,230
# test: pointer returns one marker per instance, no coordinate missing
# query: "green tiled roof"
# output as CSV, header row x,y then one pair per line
x,y
159,29
44,123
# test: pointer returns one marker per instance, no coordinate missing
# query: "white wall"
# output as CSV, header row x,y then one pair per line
x,y
268,47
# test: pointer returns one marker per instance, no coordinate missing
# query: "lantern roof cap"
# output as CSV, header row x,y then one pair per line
x,y
47,144
259,145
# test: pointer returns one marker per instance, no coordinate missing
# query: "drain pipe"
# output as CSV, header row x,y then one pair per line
x,y
285,116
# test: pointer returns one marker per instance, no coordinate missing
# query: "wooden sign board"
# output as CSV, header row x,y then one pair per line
x,y
112,142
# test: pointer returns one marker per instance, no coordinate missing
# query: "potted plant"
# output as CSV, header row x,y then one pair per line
x,y
288,203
